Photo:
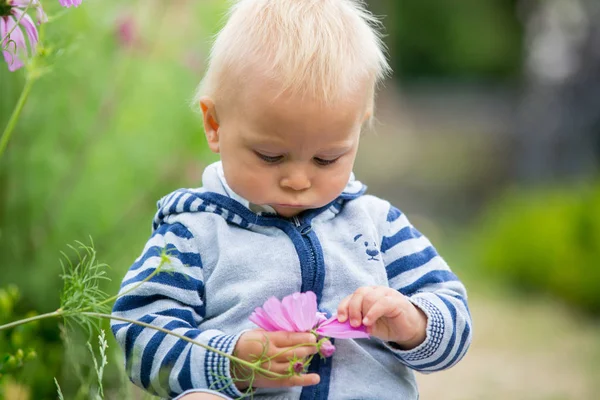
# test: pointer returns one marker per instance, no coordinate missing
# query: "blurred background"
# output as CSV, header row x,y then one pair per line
x,y
487,137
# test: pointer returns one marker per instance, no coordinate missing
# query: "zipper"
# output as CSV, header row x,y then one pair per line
x,y
312,393
304,230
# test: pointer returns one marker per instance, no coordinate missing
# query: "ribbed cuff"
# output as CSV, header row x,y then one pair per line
x,y
434,335
217,367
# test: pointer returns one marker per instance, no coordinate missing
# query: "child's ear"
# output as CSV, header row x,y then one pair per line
x,y
211,124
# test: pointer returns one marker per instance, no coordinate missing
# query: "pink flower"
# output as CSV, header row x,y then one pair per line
x,y
295,313
298,313
13,20
69,3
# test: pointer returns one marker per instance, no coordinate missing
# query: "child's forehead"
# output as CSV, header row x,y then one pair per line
x,y
267,113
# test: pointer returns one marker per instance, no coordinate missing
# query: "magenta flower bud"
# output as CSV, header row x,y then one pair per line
x,y
298,367
327,349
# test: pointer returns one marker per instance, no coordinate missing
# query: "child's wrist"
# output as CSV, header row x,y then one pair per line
x,y
420,333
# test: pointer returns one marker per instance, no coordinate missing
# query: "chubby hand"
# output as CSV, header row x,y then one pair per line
x,y
387,314
276,346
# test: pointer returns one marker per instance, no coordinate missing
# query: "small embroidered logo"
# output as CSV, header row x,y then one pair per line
x,y
372,251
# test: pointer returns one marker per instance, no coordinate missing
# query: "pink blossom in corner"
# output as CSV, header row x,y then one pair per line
x,y
14,22
298,313
70,3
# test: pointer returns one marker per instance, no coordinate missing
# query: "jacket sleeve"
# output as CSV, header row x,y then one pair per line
x,y
172,299
415,269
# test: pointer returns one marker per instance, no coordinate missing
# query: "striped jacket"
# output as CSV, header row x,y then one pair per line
x,y
219,261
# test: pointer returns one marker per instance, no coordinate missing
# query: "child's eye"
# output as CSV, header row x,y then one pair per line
x,y
324,162
268,159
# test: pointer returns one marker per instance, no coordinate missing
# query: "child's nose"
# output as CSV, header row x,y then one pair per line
x,y
296,180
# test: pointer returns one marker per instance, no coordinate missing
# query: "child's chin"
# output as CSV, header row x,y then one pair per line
x,y
288,212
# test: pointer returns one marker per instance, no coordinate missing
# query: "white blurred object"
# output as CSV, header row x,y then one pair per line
x,y
554,34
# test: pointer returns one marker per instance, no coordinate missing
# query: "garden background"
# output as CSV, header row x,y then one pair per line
x,y
487,136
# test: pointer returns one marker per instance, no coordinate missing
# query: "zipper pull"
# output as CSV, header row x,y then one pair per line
x,y
304,230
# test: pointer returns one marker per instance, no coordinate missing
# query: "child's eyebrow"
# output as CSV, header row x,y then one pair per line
x,y
263,140
337,148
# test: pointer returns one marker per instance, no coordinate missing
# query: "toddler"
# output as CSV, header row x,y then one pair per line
x,y
289,87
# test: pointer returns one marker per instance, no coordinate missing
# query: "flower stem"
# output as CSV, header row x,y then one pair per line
x,y
110,299
13,324
12,122
62,313
248,364
293,348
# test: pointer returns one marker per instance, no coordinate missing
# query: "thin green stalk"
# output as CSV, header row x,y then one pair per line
x,y
292,348
13,324
110,299
63,313
253,366
12,122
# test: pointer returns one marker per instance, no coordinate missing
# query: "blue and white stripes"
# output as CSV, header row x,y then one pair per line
x,y
416,270
172,299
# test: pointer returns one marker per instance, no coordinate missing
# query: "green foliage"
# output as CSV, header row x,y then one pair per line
x,y
545,241
81,291
466,40
104,134
58,390
28,352
12,355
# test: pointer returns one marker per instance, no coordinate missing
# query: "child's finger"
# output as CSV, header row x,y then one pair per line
x,y
342,311
355,306
385,306
296,380
300,352
283,339
371,298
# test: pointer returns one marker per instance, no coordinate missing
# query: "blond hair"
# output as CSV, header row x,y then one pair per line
x,y
316,48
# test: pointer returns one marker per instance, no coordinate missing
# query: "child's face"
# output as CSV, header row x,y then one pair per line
x,y
291,154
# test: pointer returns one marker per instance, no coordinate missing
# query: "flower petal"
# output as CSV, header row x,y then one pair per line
x,y
23,3
14,44
69,3
274,309
27,23
341,330
260,318
300,310
40,15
